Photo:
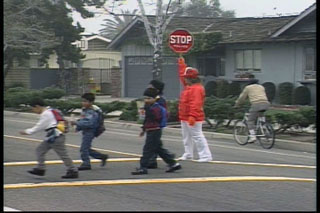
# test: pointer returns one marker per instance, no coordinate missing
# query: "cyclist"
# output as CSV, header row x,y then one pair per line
x,y
258,100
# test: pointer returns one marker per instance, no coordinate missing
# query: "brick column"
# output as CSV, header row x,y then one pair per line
x,y
115,82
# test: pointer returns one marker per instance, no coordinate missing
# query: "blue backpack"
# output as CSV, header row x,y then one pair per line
x,y
164,115
100,128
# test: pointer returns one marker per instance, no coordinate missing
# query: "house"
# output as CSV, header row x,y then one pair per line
x,y
93,71
274,49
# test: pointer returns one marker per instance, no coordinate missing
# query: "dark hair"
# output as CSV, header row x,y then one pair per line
x,y
151,92
89,97
36,101
159,85
194,80
253,81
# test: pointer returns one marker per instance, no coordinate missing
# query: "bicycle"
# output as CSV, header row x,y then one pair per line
x,y
264,131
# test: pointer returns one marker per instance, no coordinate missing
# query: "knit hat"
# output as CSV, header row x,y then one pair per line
x,y
159,85
190,72
150,92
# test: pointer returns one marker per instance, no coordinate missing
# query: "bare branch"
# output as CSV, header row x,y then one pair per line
x,y
146,24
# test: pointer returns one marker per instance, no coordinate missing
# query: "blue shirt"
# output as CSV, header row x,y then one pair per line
x,y
89,120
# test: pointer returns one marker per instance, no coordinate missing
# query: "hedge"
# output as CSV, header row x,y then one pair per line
x,y
285,93
270,89
301,96
234,89
222,88
211,88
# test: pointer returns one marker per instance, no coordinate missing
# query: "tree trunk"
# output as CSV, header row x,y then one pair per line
x,y
156,37
62,75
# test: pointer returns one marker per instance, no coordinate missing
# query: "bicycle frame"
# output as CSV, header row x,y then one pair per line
x,y
260,121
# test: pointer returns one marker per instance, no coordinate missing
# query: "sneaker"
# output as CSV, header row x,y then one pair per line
x,y
140,172
183,157
84,167
203,160
173,168
38,172
152,166
252,138
104,159
71,174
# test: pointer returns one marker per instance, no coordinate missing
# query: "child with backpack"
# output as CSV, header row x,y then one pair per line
x,y
155,120
159,86
89,124
55,139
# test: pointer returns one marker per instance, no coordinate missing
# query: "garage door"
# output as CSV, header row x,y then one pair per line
x,y
138,75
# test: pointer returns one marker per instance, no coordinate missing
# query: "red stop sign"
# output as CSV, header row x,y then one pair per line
x,y
180,41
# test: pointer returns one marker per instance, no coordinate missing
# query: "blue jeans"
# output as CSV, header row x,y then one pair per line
x,y
85,149
152,147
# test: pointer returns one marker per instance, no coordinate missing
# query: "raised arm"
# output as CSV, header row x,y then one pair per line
x,y
181,67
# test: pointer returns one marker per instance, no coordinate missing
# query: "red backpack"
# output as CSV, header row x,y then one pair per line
x,y
62,123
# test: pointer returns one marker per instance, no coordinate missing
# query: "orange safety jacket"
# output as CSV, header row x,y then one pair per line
x,y
191,98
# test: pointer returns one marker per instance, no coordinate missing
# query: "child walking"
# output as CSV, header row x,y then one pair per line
x,y
88,125
153,125
159,86
55,140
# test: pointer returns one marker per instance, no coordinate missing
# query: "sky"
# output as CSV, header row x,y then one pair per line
x,y
242,8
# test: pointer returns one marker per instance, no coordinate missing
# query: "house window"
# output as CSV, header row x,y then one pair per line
x,y
82,44
310,63
211,66
248,60
310,55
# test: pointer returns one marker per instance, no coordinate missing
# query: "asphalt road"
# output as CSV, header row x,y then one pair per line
x,y
239,178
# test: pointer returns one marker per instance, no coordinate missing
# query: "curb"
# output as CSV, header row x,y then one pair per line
x,y
280,143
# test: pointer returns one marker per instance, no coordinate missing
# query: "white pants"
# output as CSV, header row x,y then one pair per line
x,y
194,134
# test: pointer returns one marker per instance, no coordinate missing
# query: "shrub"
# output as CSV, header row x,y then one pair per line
x,y
15,84
309,116
301,96
220,109
222,88
16,89
172,107
65,106
14,99
286,119
270,90
130,113
285,93
52,93
211,88
234,89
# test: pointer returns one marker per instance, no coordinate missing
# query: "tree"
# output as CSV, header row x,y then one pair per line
x,y
60,21
24,31
113,26
200,8
43,27
155,34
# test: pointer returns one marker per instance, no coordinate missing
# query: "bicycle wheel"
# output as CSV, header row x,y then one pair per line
x,y
241,132
268,138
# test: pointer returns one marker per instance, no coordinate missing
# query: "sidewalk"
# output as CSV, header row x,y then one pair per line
x,y
102,98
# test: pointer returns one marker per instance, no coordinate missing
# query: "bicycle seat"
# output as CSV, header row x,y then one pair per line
x,y
262,110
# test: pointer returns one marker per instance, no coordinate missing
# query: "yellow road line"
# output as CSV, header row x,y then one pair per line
x,y
154,181
263,164
136,155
